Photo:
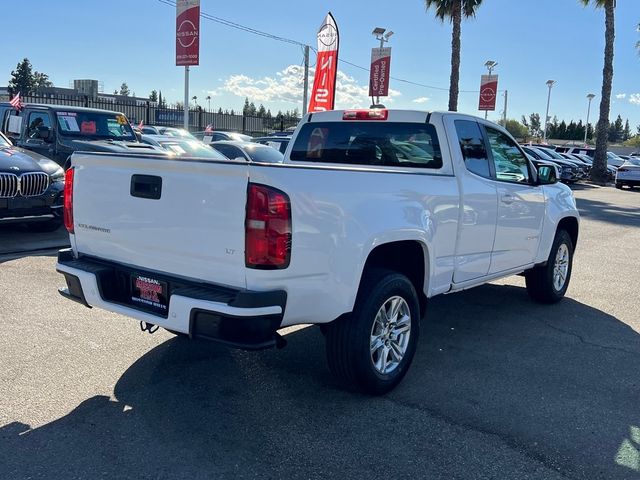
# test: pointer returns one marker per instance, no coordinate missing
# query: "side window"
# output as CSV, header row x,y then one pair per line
x,y
473,148
37,119
12,123
511,165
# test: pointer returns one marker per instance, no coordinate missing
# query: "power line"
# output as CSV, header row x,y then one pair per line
x,y
278,38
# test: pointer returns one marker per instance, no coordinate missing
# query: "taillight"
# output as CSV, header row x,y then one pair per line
x,y
372,114
267,228
68,200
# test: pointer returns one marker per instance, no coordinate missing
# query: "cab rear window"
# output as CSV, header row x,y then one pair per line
x,y
395,144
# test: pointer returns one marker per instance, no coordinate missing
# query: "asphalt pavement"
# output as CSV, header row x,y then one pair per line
x,y
501,387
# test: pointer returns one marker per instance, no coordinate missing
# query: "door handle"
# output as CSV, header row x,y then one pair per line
x,y
507,198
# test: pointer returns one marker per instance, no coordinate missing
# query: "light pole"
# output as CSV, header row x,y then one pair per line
x,y
550,84
195,100
490,64
209,102
586,127
378,32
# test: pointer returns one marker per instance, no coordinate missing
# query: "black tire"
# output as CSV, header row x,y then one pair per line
x,y
540,280
618,185
348,338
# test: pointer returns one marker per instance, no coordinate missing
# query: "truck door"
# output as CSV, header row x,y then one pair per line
x,y
36,121
521,204
479,204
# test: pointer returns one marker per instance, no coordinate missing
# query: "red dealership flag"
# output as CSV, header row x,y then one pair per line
x,y
324,82
187,32
488,92
379,73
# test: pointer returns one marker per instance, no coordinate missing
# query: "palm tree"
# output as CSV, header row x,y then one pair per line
x,y
454,10
599,170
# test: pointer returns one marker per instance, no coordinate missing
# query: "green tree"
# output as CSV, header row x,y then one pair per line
x,y
22,80
599,169
533,124
562,130
246,108
515,128
153,96
454,10
616,130
220,111
262,112
41,80
124,90
626,134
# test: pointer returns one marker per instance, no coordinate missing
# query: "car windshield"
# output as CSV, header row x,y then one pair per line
x,y
191,148
177,132
543,153
240,137
95,125
263,154
552,153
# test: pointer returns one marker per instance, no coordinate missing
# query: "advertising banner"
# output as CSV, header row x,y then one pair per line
x,y
488,92
187,32
379,73
324,82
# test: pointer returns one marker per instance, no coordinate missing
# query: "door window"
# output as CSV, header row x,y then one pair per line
x,y
473,147
510,163
37,119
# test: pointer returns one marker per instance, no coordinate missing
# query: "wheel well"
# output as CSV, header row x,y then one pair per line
x,y
570,225
405,257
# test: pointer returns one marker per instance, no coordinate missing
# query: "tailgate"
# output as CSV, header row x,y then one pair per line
x,y
194,230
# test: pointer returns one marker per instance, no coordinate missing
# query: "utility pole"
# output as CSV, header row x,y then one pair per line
x,y
305,94
186,97
550,84
504,112
586,127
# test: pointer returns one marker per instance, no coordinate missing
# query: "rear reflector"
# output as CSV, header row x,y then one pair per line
x,y
267,228
372,114
68,200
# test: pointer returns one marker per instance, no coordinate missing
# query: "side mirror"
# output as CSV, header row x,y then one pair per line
x,y
547,175
44,132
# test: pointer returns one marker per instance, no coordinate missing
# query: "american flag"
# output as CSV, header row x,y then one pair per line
x,y
209,129
16,102
140,125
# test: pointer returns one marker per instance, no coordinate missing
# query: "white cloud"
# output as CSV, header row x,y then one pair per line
x,y
420,100
212,93
287,86
634,98
620,96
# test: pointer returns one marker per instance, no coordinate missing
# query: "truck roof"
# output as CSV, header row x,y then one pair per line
x,y
393,115
63,108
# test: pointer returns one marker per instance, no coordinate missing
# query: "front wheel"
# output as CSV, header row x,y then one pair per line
x,y
372,349
548,283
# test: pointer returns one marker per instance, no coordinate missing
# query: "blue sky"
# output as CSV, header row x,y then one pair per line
x,y
533,41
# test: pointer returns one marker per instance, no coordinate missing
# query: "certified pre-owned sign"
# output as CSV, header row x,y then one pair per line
x,y
187,32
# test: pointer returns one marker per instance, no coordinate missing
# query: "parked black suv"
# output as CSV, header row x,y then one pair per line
x,y
31,188
56,131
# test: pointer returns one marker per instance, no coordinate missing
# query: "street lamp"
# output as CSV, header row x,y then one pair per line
x,y
550,84
383,38
209,102
490,64
586,127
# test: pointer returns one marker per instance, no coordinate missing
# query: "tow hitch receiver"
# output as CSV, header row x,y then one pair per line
x,y
148,327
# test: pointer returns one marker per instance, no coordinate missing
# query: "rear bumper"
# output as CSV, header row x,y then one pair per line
x,y
235,317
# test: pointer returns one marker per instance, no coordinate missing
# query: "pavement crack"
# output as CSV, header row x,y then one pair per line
x,y
587,342
507,440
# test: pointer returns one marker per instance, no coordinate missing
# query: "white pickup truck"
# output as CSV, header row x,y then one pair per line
x,y
371,213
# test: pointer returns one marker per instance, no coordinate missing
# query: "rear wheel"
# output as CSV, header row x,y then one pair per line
x,y
372,349
619,185
548,283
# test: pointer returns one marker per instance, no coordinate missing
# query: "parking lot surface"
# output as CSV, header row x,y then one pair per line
x,y
500,387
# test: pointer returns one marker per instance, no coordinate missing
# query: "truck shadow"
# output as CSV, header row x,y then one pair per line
x,y
608,212
19,238
499,384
